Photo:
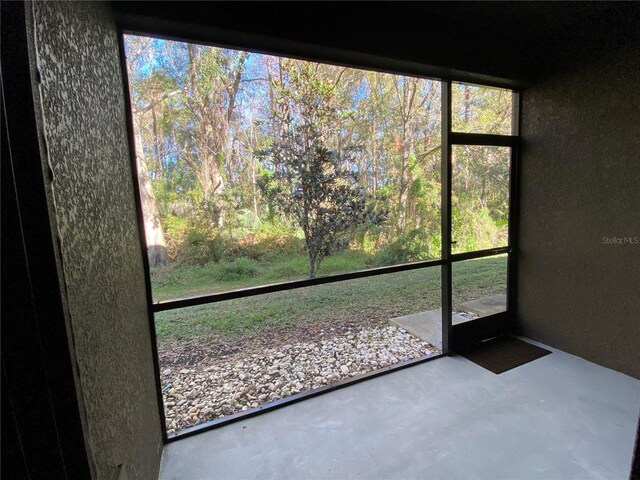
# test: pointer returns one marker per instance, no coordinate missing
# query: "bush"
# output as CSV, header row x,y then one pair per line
x,y
412,246
476,230
200,248
176,229
268,239
193,241
241,267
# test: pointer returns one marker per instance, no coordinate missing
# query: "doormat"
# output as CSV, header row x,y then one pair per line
x,y
502,353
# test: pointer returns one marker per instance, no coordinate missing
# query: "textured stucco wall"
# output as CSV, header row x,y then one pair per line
x,y
580,183
83,122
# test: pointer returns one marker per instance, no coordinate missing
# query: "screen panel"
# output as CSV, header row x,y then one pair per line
x,y
479,197
232,356
479,287
481,109
256,169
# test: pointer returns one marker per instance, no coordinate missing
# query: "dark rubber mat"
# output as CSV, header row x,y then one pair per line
x,y
502,353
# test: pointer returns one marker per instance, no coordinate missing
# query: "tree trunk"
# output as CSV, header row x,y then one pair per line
x,y
212,128
467,104
312,268
156,247
158,162
374,156
406,100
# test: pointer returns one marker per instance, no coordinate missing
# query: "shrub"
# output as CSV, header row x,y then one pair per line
x,y
412,246
476,230
201,247
268,239
176,230
241,267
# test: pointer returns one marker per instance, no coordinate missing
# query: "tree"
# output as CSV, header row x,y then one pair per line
x,y
210,90
156,247
305,180
310,183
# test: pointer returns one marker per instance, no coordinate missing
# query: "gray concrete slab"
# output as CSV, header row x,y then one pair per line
x,y
485,306
426,325
558,417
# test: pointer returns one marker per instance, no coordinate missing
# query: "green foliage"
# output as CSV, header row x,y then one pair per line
x,y
268,238
176,230
306,181
332,162
475,229
481,109
368,242
412,246
313,187
241,267
201,247
190,241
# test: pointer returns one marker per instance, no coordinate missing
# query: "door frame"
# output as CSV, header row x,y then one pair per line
x,y
490,326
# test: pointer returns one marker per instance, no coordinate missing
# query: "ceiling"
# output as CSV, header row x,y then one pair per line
x,y
510,43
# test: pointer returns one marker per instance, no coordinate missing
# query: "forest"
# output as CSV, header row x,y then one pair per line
x,y
255,168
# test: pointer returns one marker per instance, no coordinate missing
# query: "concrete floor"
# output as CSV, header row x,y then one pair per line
x,y
485,306
427,326
558,417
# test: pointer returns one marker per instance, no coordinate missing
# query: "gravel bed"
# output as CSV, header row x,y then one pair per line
x,y
220,386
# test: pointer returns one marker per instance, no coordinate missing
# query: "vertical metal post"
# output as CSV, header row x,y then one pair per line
x,y
514,208
445,219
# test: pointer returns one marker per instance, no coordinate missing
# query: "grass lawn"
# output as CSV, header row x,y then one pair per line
x,y
376,298
177,282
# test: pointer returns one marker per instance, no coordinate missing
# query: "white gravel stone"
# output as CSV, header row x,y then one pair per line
x,y
222,386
